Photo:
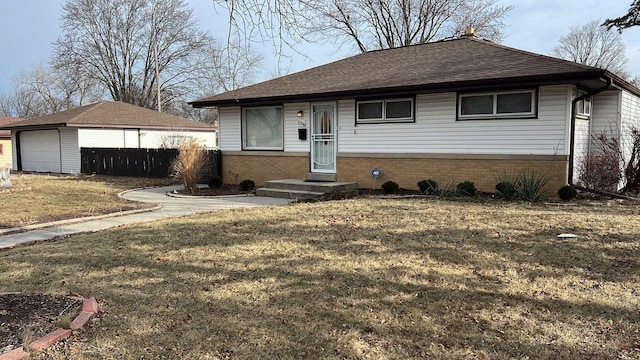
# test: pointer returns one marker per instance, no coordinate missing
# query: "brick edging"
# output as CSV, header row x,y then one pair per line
x,y
89,308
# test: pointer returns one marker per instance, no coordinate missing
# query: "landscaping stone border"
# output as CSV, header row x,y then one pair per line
x,y
89,308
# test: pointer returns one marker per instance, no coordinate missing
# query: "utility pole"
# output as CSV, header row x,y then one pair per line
x,y
155,50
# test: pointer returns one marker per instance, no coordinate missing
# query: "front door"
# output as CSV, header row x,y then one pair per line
x,y
323,138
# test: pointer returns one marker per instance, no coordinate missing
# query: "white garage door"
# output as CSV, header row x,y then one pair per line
x,y
40,151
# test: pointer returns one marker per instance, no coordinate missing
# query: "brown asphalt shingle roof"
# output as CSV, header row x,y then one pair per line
x,y
448,64
111,114
7,121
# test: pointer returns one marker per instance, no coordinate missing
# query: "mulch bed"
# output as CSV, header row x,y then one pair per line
x,y
223,190
26,317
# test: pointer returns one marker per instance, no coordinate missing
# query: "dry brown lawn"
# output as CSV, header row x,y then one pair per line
x,y
40,198
354,279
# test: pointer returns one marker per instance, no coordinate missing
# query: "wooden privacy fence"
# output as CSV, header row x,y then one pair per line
x,y
152,163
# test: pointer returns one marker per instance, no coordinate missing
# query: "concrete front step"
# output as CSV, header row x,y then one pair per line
x,y
321,177
301,189
310,186
288,194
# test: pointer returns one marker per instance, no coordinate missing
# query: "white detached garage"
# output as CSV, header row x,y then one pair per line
x,y
52,143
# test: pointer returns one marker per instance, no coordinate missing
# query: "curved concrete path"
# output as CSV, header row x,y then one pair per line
x,y
168,207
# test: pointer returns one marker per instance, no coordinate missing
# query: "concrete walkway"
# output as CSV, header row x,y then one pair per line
x,y
169,207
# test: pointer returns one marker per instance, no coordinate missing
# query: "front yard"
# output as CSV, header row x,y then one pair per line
x,y
358,279
39,198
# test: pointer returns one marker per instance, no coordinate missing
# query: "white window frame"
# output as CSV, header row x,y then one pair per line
x,y
384,118
580,106
495,114
245,144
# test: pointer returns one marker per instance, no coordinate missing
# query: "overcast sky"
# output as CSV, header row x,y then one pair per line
x,y
28,27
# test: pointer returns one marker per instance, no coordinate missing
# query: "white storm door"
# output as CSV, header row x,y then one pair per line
x,y
323,138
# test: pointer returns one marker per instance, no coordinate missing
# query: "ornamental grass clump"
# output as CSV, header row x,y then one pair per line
x,y
507,190
188,167
531,186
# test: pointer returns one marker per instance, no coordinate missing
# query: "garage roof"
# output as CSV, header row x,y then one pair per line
x,y
110,114
5,121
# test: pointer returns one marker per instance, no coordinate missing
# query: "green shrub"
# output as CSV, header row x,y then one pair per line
x,y
429,187
247,185
531,185
567,193
506,189
215,182
467,188
390,187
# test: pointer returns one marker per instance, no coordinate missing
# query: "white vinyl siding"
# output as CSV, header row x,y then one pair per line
x,y
154,139
437,131
131,138
229,122
148,138
291,124
69,150
630,119
101,138
605,115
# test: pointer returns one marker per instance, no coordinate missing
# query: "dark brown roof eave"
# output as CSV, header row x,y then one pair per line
x,y
468,85
151,127
106,126
34,127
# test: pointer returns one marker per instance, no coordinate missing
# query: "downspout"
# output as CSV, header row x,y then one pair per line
x,y
17,151
572,139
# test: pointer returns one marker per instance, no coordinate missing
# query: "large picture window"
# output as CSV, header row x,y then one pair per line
x,y
262,128
498,104
389,110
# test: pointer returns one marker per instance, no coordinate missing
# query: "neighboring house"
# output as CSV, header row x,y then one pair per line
x,y
52,143
6,159
453,110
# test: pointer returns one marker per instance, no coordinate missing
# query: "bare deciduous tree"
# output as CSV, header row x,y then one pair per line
x,y
232,67
114,42
41,91
365,24
595,45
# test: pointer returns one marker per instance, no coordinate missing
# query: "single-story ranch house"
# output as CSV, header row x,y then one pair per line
x,y
52,143
453,110
6,157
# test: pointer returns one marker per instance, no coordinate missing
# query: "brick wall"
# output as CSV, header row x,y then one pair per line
x,y
260,168
483,171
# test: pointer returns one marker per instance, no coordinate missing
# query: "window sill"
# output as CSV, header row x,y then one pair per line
x,y
367,122
525,117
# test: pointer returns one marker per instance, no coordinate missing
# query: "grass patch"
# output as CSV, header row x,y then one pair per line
x,y
39,198
356,279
